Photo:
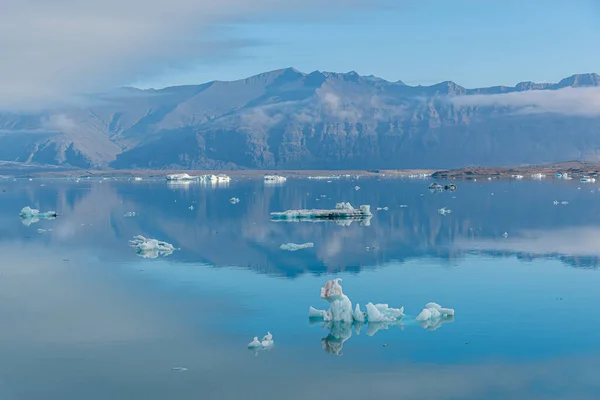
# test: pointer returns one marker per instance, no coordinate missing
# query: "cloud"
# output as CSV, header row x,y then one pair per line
x,y
583,102
576,241
55,49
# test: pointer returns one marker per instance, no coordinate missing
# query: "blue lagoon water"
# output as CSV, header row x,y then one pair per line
x,y
84,317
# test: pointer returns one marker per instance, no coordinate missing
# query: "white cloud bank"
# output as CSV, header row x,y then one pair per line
x,y
583,102
52,49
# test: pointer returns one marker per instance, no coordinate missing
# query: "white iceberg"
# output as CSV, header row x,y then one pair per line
x,y
30,215
275,179
234,200
295,247
340,308
433,315
342,210
266,343
210,178
151,248
444,211
182,177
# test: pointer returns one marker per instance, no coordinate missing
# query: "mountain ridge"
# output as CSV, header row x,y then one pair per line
x,y
287,119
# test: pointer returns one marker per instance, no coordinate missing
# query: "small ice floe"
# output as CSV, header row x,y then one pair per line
x,y
129,214
151,248
562,203
234,200
221,178
444,211
382,208
342,211
30,215
587,179
340,308
518,177
191,208
179,369
505,234
44,230
538,176
275,179
266,343
433,315
357,188
403,206
181,177
295,247
137,178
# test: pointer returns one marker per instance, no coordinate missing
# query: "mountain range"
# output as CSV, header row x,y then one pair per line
x,y
286,119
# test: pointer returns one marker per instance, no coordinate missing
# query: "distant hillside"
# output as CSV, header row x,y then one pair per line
x,y
287,119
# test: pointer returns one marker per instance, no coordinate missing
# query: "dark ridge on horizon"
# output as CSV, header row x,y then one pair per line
x,y
576,80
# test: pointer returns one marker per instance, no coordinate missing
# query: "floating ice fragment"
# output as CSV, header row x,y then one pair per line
x,y
433,315
234,200
259,345
31,215
340,308
563,203
403,206
151,248
295,247
129,214
505,234
179,369
191,208
44,230
137,178
275,179
357,188
444,211
181,177
383,313
342,210
382,208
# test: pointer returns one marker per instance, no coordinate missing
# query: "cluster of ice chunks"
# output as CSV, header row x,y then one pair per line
x,y
30,215
266,343
341,310
151,248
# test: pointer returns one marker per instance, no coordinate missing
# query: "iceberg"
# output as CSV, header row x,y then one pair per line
x,y
259,345
151,248
295,247
342,210
30,215
434,315
444,211
182,177
210,178
275,179
340,308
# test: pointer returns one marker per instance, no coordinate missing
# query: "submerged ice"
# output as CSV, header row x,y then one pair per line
x,y
151,248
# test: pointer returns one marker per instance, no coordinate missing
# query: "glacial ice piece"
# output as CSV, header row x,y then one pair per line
x,y
383,313
137,178
234,200
382,208
151,248
31,215
275,179
259,345
182,177
129,214
357,188
342,211
295,247
434,315
340,308
444,211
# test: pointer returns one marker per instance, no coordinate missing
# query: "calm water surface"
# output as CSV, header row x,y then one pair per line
x,y
84,317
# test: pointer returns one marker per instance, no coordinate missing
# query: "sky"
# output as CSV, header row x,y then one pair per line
x,y
474,43
55,49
